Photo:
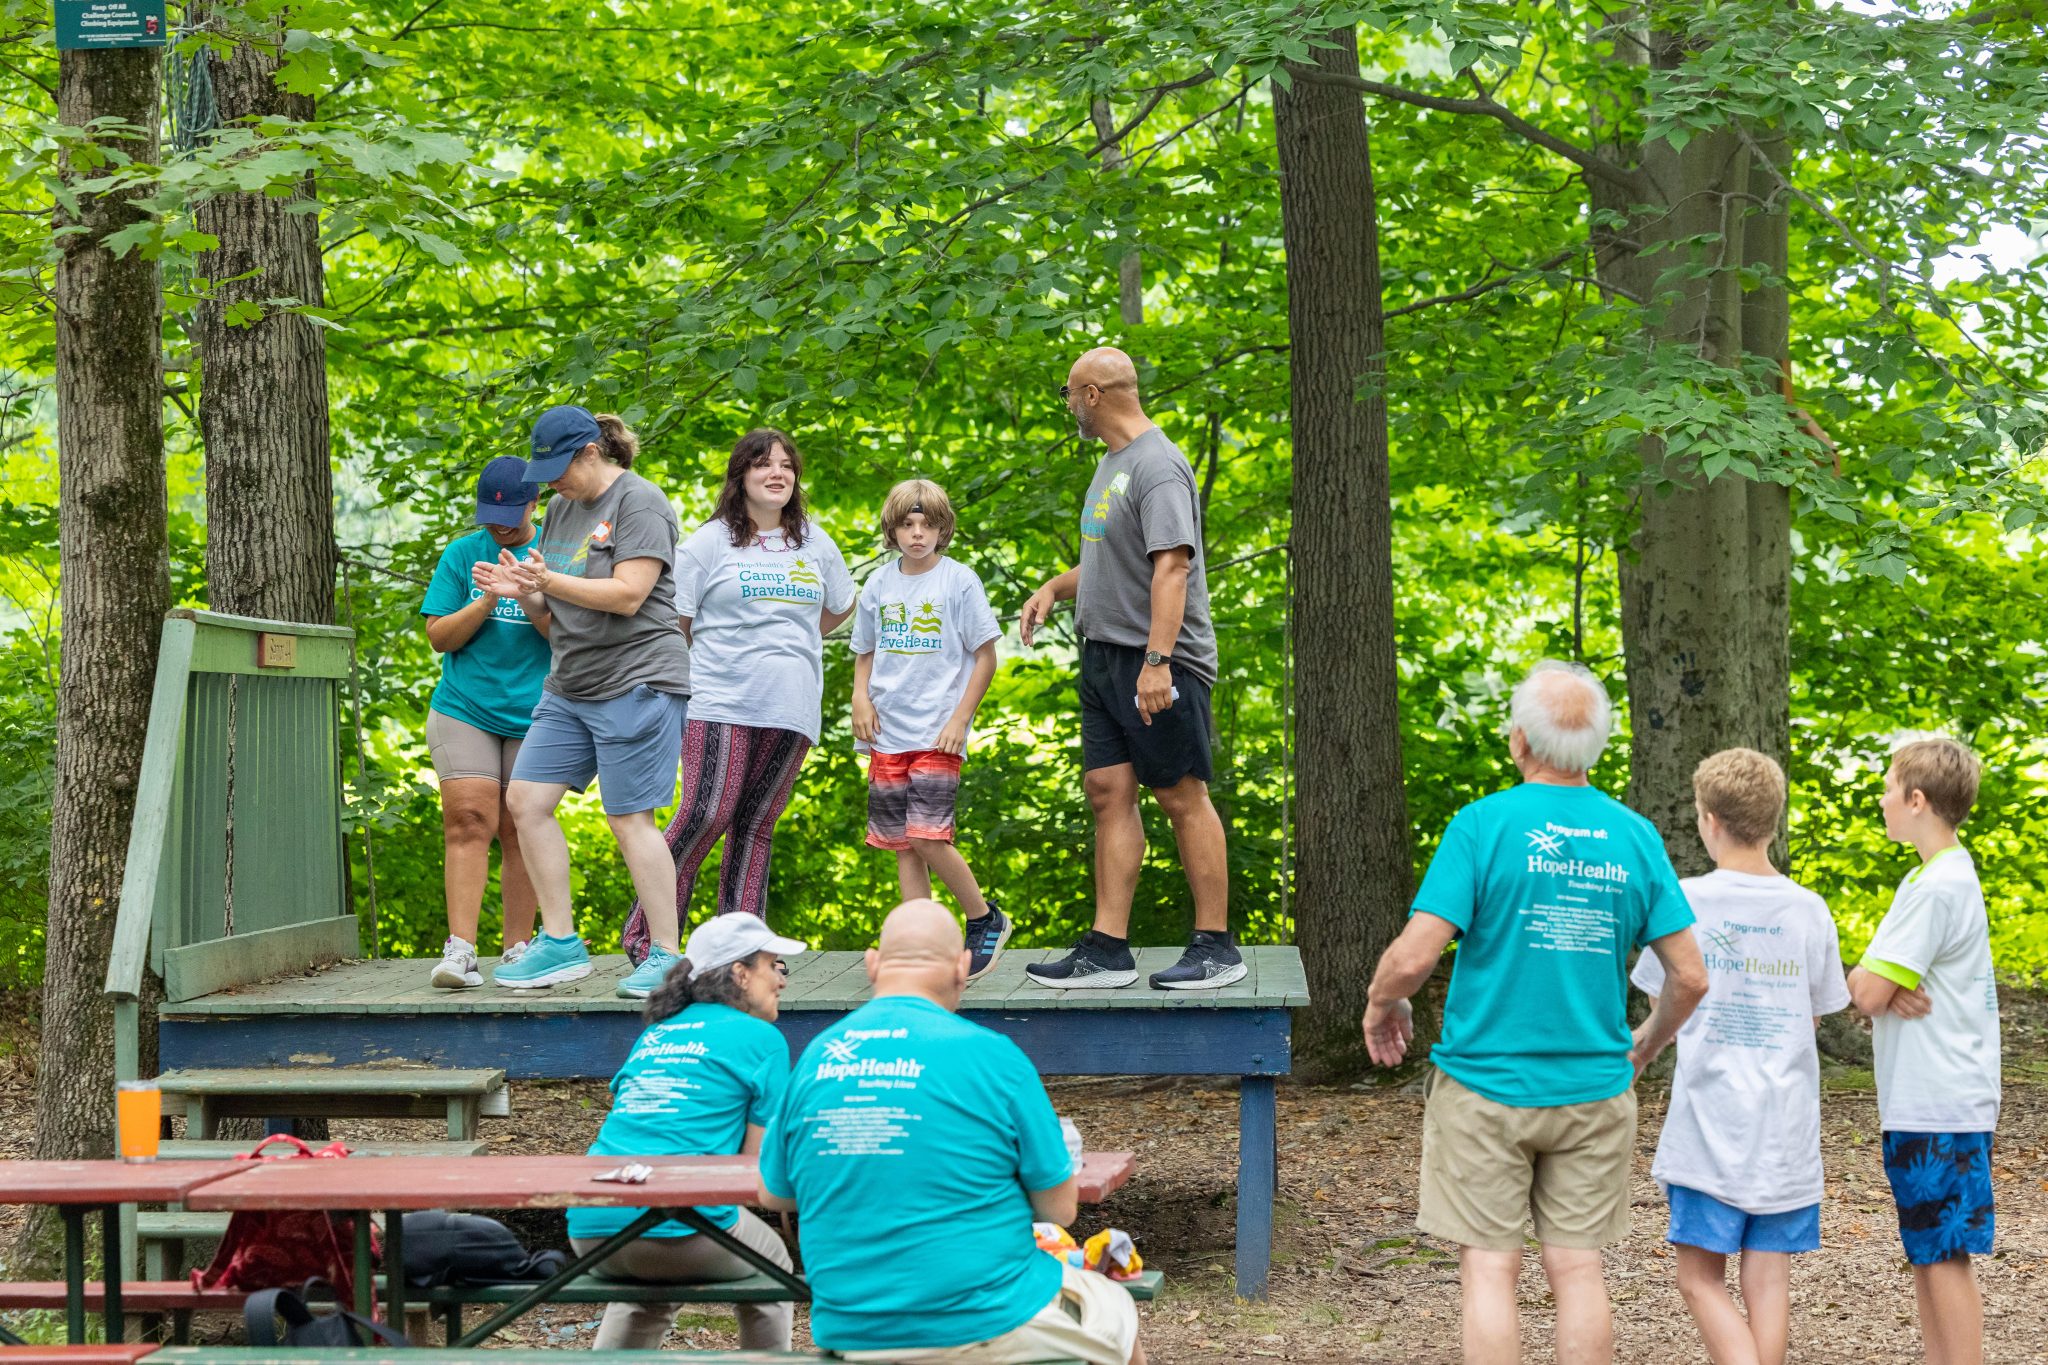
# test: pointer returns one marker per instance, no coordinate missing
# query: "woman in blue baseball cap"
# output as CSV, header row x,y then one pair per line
x,y
493,657
602,575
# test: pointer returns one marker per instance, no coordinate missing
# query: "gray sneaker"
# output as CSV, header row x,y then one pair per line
x,y
457,968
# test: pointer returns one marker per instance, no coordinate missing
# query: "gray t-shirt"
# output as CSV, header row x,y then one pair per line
x,y
1141,501
601,654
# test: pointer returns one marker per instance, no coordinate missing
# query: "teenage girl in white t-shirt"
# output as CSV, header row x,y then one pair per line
x,y
757,589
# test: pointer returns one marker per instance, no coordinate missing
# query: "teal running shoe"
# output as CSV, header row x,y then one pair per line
x,y
639,983
550,961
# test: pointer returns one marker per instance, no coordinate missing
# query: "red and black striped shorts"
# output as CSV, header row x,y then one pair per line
x,y
911,796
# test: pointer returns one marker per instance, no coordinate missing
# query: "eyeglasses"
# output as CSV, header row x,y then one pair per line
x,y
1068,389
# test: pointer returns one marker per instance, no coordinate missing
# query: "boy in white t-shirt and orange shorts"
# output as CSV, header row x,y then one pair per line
x,y
924,653
1739,1157
1927,983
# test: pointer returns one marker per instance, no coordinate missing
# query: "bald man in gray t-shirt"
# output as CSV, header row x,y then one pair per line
x,y
1148,660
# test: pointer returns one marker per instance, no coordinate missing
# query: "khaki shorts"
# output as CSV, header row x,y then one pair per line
x,y
460,750
1092,1318
1486,1167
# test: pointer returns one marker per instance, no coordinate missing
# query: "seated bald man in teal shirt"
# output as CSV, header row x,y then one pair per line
x,y
917,1148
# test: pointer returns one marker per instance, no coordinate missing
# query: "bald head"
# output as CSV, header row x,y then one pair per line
x,y
1102,393
920,952
1107,367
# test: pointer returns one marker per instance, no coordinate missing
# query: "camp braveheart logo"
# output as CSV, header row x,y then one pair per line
x,y
798,581
906,632
1095,516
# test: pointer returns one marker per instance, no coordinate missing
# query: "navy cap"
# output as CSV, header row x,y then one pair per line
x,y
502,492
557,436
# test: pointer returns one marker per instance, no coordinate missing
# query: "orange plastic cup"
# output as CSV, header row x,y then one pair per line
x,y
138,1119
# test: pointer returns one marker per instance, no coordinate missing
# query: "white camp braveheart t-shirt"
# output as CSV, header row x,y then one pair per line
x,y
1744,1122
756,655
923,630
1940,1073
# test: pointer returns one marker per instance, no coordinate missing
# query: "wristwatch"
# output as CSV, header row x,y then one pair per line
x,y
1153,658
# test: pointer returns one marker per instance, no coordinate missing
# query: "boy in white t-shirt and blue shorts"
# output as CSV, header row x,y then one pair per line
x,y
924,653
1739,1157
1926,982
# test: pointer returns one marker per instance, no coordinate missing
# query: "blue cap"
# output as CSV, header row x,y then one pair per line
x,y
557,436
502,492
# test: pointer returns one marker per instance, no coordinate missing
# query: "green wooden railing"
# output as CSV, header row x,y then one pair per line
x,y
236,867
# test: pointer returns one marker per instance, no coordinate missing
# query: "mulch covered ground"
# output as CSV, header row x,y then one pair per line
x,y
1353,1281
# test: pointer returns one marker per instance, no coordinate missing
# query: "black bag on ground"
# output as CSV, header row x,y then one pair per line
x,y
467,1248
304,1327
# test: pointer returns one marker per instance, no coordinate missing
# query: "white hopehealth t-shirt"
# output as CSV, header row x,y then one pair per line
x,y
923,630
1939,1074
756,657
1744,1122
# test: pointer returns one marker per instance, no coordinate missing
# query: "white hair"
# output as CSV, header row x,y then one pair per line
x,y
1566,722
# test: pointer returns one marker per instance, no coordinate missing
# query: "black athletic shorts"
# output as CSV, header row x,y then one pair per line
x,y
1175,744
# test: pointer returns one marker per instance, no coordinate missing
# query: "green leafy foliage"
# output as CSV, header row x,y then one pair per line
x,y
890,228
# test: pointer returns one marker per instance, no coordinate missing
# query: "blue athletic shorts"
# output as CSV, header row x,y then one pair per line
x,y
1942,1185
1700,1220
630,743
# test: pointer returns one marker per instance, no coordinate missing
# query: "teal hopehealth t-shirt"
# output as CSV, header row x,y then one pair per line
x,y
689,1087
908,1139
1550,889
493,682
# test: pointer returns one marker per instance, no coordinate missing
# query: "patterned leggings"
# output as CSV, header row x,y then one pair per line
x,y
736,781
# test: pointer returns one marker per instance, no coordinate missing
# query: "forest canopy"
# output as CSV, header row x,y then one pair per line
x,y
889,228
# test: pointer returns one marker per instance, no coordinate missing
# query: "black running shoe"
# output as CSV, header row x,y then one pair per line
x,y
1211,960
1093,965
985,939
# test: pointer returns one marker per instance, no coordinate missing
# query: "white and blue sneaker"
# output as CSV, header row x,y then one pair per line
x,y
548,961
641,982
985,939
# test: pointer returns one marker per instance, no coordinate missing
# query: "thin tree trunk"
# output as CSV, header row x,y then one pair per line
x,y
115,584
263,386
1354,874
1130,271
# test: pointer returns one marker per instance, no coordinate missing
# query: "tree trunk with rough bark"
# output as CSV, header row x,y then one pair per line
x,y
263,386
115,582
1353,872
1130,271
1705,578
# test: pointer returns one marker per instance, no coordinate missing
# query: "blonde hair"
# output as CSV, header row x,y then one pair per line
x,y
917,495
1942,770
1744,790
616,441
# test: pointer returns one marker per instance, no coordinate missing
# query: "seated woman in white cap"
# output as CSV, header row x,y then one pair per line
x,y
702,1080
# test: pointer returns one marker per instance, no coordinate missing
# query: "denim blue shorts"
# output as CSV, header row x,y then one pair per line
x,y
1700,1220
630,743
1942,1185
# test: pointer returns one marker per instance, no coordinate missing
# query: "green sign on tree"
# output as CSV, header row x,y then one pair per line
x,y
110,23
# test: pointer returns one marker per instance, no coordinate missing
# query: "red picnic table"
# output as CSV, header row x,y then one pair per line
x,y
675,1187
77,1187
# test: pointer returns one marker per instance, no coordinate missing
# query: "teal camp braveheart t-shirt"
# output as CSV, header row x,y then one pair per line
x,y
493,682
1550,888
908,1139
689,1087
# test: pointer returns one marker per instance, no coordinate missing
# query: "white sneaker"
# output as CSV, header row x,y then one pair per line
x,y
515,951
458,966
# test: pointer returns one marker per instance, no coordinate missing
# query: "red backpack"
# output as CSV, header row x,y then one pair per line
x,y
279,1248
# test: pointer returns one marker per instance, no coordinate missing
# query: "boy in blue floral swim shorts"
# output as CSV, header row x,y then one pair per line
x,y
1926,981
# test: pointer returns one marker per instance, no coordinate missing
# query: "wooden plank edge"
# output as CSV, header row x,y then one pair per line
x,y
202,968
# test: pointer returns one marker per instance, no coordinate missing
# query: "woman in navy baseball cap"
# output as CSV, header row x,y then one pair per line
x,y
603,577
493,658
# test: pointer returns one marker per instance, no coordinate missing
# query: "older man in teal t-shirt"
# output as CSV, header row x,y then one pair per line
x,y
917,1148
1547,889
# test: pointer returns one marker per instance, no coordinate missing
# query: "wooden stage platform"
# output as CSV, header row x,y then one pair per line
x,y
384,1012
